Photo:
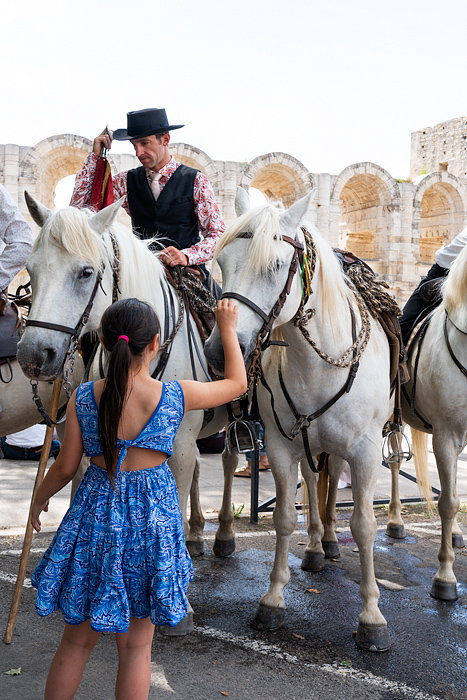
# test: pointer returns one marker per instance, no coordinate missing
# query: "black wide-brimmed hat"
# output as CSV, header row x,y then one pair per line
x,y
145,122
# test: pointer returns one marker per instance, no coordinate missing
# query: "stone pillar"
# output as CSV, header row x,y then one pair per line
x,y
322,199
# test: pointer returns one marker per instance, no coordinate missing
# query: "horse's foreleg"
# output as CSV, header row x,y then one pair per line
x,y
444,585
313,557
372,633
224,544
195,543
271,610
395,526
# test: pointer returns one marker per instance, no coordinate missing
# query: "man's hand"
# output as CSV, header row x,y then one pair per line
x,y
104,140
172,256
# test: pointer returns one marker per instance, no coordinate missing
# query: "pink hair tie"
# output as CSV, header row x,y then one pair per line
x,y
125,337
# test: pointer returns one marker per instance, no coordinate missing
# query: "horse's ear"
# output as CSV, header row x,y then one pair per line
x,y
104,219
242,202
294,216
38,211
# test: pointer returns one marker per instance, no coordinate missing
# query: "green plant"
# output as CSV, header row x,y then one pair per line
x,y
237,511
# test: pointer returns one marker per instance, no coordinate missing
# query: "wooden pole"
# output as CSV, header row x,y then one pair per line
x,y
29,529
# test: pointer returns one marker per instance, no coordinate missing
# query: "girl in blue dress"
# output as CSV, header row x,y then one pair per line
x,y
118,561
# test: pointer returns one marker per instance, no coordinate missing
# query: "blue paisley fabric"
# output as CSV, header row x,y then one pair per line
x,y
120,551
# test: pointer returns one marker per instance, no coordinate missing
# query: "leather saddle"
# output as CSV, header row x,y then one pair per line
x,y
11,326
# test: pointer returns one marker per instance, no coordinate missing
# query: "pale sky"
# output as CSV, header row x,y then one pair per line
x,y
331,83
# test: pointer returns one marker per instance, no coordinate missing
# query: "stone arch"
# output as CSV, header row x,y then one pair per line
x,y
368,195
194,158
49,161
440,204
278,176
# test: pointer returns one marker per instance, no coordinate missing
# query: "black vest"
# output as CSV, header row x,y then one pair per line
x,y
172,217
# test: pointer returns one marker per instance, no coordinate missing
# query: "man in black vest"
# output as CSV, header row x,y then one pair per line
x,y
164,198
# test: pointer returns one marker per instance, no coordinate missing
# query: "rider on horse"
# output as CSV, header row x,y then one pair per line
x,y
426,296
163,197
17,237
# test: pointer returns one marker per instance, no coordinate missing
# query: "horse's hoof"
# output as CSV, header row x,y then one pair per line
x,y
224,548
457,539
372,638
184,627
268,618
195,548
442,590
396,531
313,561
331,550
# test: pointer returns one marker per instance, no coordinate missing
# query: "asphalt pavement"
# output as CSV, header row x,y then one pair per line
x,y
313,656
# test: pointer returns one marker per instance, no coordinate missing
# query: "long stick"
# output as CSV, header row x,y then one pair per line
x,y
29,529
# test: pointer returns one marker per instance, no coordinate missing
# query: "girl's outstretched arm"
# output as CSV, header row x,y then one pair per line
x,y
200,395
65,466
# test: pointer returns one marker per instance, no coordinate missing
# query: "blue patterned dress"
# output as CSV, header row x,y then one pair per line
x,y
120,551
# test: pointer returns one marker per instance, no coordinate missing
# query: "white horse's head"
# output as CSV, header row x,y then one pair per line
x,y
256,266
63,266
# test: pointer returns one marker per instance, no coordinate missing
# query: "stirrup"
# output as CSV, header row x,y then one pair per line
x,y
240,437
400,454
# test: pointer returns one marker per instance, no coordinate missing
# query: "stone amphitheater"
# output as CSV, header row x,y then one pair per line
x,y
394,225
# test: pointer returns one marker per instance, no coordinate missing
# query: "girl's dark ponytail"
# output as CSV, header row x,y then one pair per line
x,y
128,326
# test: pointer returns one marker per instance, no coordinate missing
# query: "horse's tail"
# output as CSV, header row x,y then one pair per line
x,y
420,458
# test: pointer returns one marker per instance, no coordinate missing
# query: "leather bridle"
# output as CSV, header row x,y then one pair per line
x,y
268,319
75,331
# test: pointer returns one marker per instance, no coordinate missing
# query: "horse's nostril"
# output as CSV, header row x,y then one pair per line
x,y
51,355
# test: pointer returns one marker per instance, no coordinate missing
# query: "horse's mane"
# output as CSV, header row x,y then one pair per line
x,y
455,286
140,269
266,248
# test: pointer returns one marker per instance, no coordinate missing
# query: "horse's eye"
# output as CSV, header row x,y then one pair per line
x,y
274,268
87,272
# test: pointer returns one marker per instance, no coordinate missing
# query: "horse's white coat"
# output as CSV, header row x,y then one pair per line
x,y
351,429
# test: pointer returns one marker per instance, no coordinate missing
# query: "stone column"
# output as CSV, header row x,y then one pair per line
x,y
322,199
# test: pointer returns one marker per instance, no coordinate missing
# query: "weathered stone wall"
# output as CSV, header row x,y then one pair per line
x,y
395,226
440,147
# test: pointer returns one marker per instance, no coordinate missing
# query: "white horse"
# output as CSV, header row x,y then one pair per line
x,y
255,257
73,260
441,409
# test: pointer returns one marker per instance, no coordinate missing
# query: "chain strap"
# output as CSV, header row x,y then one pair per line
x,y
303,316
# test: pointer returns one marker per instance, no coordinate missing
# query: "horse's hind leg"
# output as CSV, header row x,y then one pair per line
x,y
313,557
372,633
336,466
457,536
195,544
444,585
224,544
395,526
